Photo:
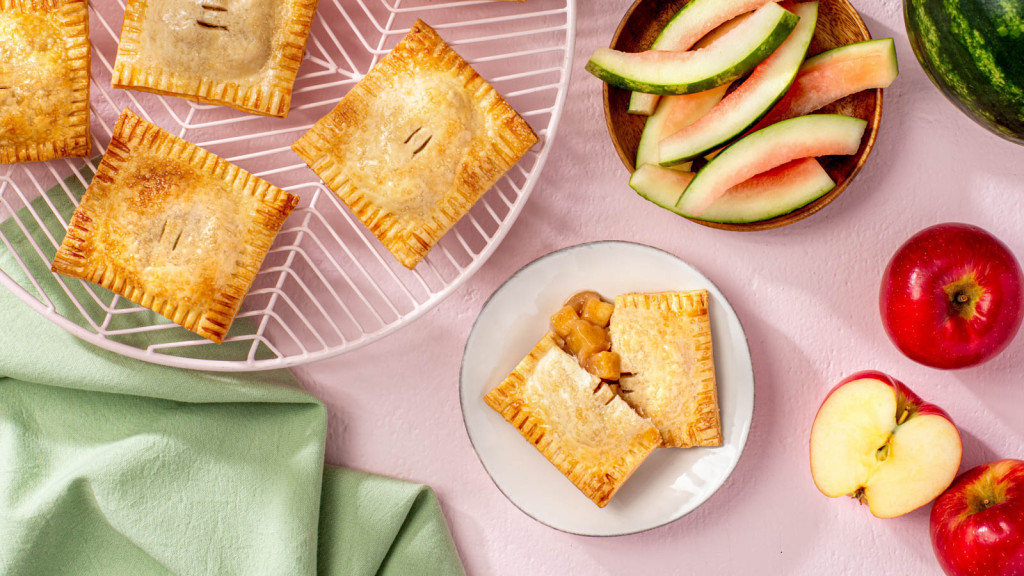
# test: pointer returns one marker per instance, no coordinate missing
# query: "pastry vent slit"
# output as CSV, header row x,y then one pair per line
x,y
422,146
213,8
176,240
211,26
411,135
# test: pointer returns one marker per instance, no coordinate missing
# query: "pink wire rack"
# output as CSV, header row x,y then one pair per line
x,y
327,286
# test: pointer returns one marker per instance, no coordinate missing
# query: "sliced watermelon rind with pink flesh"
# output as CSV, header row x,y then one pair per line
x,y
692,23
750,101
802,137
674,113
835,74
660,185
765,196
771,194
662,72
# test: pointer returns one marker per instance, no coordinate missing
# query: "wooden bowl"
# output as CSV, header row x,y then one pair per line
x,y
838,24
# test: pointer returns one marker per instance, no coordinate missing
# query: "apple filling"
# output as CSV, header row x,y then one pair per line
x,y
582,324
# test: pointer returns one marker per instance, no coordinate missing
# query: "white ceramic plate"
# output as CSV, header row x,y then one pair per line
x,y
672,481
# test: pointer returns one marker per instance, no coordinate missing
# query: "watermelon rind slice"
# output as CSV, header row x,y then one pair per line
x,y
661,72
836,74
802,137
693,22
745,105
771,194
674,113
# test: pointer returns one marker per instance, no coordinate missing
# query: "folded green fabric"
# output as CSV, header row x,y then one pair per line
x,y
112,466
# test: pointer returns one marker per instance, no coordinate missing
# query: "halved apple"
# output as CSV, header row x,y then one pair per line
x,y
877,441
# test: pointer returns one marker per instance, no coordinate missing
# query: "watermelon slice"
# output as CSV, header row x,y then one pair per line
x,y
750,101
679,111
836,74
801,137
774,193
696,20
673,114
662,72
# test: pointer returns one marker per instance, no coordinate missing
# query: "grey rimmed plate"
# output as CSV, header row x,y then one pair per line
x,y
672,481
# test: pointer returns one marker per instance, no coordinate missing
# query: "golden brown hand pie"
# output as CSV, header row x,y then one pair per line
x,y
581,426
44,80
664,341
240,53
173,228
415,143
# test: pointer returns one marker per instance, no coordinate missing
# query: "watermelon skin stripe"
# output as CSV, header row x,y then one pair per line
x,y
973,50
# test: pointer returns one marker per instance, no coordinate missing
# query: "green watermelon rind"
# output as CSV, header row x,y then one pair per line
x,y
663,186
696,13
654,128
803,129
974,57
754,105
854,50
629,71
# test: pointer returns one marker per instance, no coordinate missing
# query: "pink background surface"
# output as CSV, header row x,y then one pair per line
x,y
807,296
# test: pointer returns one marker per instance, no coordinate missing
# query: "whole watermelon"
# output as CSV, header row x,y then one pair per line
x,y
974,52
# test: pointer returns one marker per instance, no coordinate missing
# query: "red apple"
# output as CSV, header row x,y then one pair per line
x,y
952,296
977,525
877,441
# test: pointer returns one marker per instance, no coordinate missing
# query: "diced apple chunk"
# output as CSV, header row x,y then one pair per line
x,y
597,312
580,299
563,320
585,339
605,365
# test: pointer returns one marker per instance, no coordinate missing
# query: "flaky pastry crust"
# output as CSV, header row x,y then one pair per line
x,y
173,228
243,53
44,80
415,144
664,341
577,423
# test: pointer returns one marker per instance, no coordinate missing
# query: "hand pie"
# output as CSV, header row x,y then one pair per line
x,y
240,53
173,228
415,143
664,341
577,423
44,80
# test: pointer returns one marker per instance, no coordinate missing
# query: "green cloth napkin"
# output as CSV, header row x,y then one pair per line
x,y
112,466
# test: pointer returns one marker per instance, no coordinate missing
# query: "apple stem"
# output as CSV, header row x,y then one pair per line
x,y
963,295
987,492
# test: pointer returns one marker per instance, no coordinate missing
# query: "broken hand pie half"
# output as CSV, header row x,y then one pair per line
x,y
575,421
664,343
240,53
173,228
415,144
44,80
